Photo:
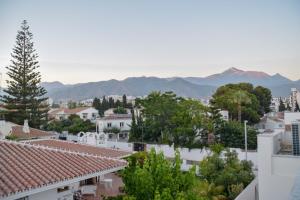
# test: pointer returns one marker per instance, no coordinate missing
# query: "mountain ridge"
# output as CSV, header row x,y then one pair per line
x,y
194,87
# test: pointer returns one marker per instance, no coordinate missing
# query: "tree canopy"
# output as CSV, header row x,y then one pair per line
x,y
243,101
168,119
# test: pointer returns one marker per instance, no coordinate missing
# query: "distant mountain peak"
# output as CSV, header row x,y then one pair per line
x,y
233,70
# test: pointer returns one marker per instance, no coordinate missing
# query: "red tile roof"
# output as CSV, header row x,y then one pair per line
x,y
24,167
81,148
33,133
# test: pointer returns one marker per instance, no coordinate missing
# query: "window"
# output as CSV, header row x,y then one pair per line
x,y
192,162
84,115
62,189
109,125
121,124
94,115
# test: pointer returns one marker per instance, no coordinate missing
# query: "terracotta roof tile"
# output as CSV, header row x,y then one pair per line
x,y
81,148
25,166
34,133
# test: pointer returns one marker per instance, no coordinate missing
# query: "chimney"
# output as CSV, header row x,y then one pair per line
x,y
26,126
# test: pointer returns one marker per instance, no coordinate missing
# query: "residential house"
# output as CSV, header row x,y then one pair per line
x,y
85,113
121,122
39,170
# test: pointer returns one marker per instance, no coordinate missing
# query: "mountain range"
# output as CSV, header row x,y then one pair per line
x,y
195,87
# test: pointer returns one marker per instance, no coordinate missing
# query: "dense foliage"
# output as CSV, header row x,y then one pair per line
x,y
157,178
231,173
25,97
152,177
74,124
168,119
105,104
231,134
243,101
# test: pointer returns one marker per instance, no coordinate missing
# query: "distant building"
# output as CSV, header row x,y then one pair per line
x,y
295,98
224,115
122,122
85,113
271,121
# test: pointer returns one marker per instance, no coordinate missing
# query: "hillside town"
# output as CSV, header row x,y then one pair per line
x,y
232,133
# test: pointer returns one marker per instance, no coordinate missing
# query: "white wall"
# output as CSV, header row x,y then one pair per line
x,y
275,172
250,192
186,154
102,124
53,194
91,114
289,117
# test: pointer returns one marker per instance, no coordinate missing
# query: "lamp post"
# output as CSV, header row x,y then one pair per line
x,y
246,147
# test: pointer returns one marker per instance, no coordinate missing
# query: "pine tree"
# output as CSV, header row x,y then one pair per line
x,y
124,101
297,109
281,106
288,107
25,98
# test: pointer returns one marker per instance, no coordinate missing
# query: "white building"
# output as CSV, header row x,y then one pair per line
x,y
121,122
85,113
295,98
277,166
224,115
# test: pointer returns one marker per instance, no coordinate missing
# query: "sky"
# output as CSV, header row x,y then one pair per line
x,y
84,41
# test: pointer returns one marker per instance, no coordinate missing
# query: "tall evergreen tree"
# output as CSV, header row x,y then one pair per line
x,y
25,98
288,107
297,109
281,106
124,101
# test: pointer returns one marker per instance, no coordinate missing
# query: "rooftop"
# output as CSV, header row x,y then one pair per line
x,y
33,133
116,116
81,148
25,167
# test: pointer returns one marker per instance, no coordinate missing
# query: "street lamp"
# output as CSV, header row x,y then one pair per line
x,y
245,126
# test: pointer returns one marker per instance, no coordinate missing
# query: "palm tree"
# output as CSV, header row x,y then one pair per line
x,y
210,191
240,97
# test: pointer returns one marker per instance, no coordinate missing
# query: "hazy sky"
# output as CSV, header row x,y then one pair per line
x,y
81,41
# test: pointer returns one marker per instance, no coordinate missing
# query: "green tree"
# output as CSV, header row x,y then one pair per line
x,y
226,170
231,134
157,111
297,109
120,110
288,107
124,101
25,97
239,100
157,178
210,191
264,97
240,97
191,122
97,104
281,106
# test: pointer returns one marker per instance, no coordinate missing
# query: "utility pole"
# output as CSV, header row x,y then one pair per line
x,y
246,144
